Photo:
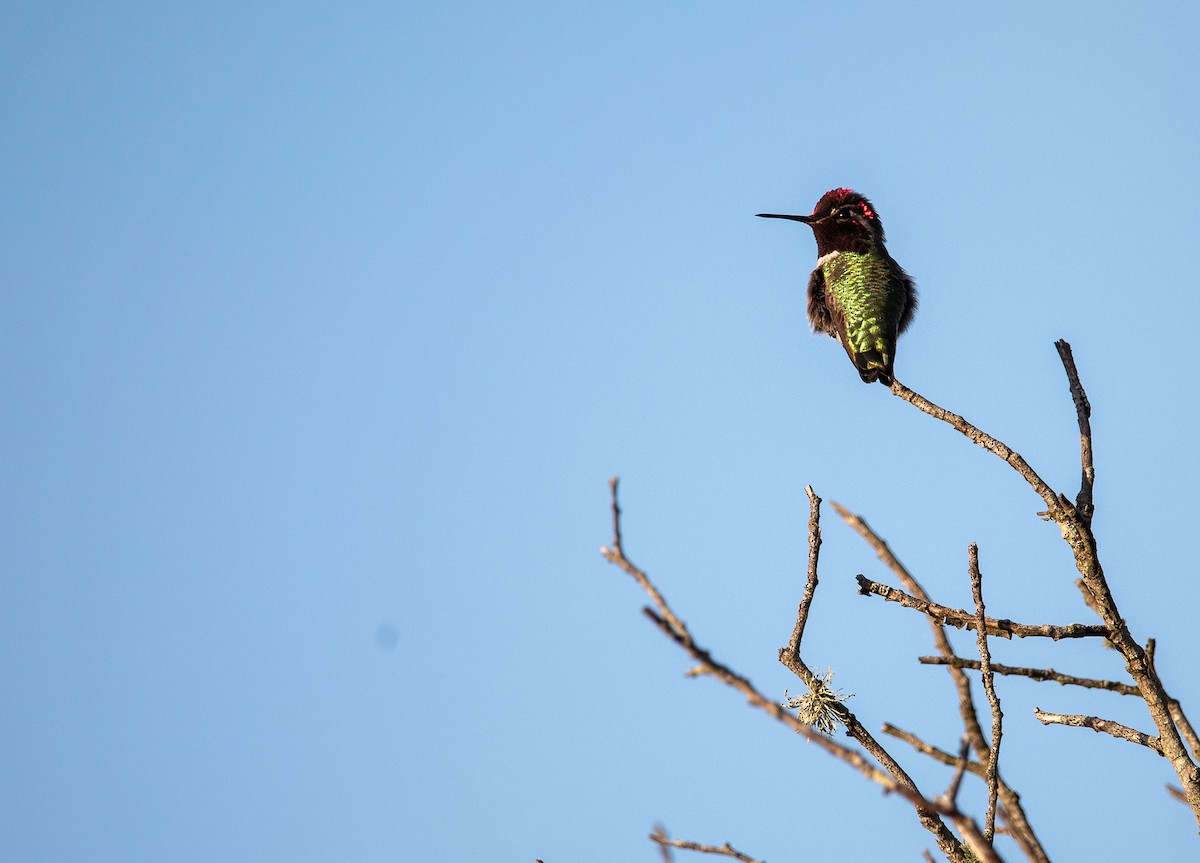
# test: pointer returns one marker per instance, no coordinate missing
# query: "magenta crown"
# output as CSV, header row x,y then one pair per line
x,y
841,195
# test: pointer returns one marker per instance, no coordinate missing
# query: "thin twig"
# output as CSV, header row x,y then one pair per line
x,y
985,661
1106,726
980,438
790,655
1038,674
616,555
1089,598
1185,727
940,755
664,851
1176,709
1177,793
956,617
1084,502
981,846
660,836
673,628
960,768
810,587
822,707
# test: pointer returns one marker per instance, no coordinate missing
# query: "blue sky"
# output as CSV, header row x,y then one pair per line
x,y
326,323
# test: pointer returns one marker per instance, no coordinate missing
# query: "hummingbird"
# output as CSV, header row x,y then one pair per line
x,y
857,294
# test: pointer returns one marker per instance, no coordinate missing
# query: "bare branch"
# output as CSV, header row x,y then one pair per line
x,y
1089,598
1084,503
663,850
1038,674
616,556
1185,727
660,836
929,749
810,587
1178,717
1177,793
960,619
1054,505
1077,533
1106,726
989,824
960,768
822,706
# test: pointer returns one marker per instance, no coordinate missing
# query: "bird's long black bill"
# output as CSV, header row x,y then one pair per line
x,y
805,219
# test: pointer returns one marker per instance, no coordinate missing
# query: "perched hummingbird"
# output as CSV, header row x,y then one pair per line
x,y
857,294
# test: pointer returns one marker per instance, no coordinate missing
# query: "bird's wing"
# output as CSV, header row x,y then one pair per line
x,y
909,295
821,317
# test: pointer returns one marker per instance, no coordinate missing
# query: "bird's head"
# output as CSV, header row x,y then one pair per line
x,y
843,221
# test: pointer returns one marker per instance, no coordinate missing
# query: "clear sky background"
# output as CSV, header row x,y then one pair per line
x,y
326,324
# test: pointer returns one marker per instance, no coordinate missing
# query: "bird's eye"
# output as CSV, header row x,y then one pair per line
x,y
843,215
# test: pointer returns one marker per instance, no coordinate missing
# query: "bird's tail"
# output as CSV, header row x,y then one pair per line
x,y
874,366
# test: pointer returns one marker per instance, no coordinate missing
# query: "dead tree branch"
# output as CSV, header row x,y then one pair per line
x,y
980,438
940,755
660,836
1176,709
810,586
1105,726
1038,674
616,555
961,619
1084,503
989,824
1077,533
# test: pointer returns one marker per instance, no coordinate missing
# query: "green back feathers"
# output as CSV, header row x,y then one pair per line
x,y
859,284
